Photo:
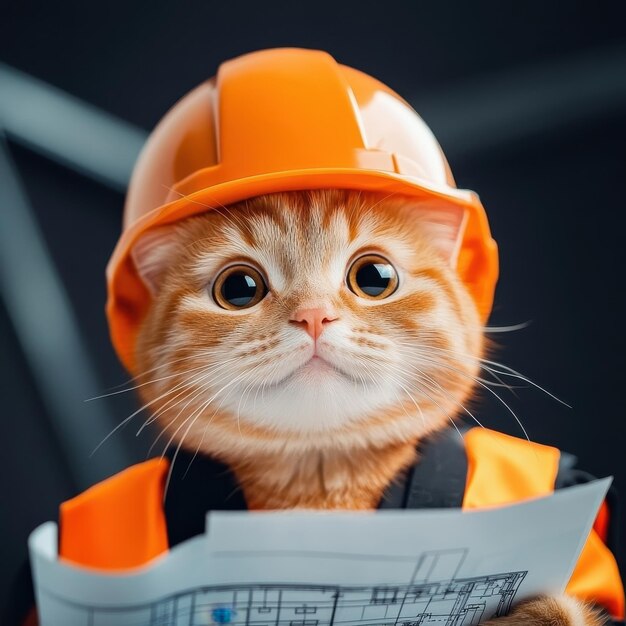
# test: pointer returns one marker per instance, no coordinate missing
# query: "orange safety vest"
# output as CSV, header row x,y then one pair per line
x,y
121,523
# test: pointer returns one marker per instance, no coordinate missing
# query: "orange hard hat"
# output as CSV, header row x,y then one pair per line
x,y
279,120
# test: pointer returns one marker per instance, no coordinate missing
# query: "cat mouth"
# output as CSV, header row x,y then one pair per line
x,y
318,362
314,366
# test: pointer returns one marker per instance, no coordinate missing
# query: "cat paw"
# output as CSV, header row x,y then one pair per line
x,y
552,611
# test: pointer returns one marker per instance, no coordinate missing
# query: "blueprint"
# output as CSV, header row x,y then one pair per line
x,y
304,568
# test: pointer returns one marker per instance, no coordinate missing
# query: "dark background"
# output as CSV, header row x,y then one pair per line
x,y
551,181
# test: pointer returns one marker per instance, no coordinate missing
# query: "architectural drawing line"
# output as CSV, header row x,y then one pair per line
x,y
452,602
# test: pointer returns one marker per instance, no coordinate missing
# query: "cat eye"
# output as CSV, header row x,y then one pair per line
x,y
239,287
373,277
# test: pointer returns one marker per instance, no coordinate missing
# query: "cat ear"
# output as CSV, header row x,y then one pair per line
x,y
444,226
153,254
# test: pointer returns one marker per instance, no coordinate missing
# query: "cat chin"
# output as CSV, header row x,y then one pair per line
x,y
314,399
232,441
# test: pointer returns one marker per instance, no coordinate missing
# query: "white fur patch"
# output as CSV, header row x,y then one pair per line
x,y
573,608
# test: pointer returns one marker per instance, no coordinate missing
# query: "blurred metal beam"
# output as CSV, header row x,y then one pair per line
x,y
68,130
498,112
44,322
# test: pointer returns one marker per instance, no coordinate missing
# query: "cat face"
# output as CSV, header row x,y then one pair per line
x,y
316,318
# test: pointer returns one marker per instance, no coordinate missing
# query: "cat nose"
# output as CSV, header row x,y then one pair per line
x,y
314,319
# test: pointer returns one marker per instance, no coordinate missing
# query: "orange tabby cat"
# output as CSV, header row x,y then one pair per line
x,y
309,340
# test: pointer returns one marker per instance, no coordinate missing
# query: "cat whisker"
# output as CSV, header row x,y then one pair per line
x,y
485,364
372,378
174,419
203,404
129,418
245,391
508,371
446,393
195,454
189,393
138,411
150,382
432,381
202,378
500,382
506,329
419,408
197,450
144,373
487,387
193,417
184,385
219,406
205,384
364,360
525,379
269,379
431,399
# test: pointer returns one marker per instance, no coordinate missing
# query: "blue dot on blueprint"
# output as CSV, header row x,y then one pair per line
x,y
223,615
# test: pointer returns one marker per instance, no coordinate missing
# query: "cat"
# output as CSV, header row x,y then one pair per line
x,y
309,340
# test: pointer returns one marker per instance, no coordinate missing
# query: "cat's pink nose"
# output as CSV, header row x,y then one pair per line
x,y
314,319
